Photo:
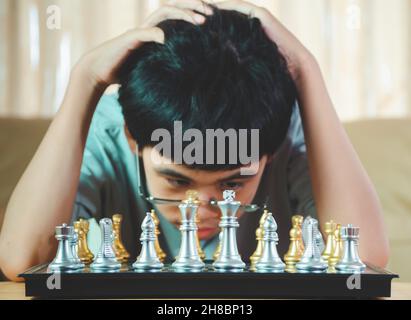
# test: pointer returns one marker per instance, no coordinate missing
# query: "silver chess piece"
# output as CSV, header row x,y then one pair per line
x,y
74,244
311,261
229,258
350,260
188,258
64,260
148,258
270,261
106,258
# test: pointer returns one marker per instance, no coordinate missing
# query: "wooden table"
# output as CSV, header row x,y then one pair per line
x,y
15,291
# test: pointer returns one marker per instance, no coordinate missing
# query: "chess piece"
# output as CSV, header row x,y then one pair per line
x,y
121,252
218,249
160,253
229,258
293,254
350,260
311,261
270,260
106,258
74,245
64,260
199,249
148,258
338,248
259,237
188,258
329,230
84,253
297,222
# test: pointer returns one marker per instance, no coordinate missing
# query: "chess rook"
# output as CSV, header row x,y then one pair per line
x,y
350,260
270,260
188,258
311,261
64,260
106,258
148,258
229,258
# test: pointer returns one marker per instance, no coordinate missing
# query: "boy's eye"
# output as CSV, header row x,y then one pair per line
x,y
178,182
231,185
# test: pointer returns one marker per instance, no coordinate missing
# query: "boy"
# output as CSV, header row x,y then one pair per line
x,y
206,68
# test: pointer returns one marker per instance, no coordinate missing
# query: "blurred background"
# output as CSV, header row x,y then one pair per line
x,y
363,47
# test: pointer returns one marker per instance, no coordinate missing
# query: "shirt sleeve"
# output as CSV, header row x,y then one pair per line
x,y
299,180
87,204
95,170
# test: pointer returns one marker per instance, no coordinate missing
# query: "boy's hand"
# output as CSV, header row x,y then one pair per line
x,y
292,49
100,65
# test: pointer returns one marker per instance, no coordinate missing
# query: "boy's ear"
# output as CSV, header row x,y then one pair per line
x,y
131,142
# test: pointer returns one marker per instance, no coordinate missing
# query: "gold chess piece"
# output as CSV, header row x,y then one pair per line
x,y
329,230
293,254
121,252
338,249
83,251
297,222
218,249
259,237
192,197
160,253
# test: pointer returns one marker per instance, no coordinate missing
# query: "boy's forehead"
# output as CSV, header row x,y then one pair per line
x,y
167,167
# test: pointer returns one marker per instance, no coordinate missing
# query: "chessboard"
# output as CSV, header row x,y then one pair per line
x,y
168,283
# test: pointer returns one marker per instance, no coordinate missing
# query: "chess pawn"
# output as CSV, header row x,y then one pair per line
x,y
350,260
218,249
64,260
188,258
148,258
311,260
199,249
329,230
270,260
229,258
84,253
338,248
297,222
160,253
293,254
259,233
121,252
106,258
74,245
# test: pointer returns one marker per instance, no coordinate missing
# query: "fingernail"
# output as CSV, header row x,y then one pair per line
x,y
199,18
208,11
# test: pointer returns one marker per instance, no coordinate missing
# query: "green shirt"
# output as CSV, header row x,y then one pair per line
x,y
108,185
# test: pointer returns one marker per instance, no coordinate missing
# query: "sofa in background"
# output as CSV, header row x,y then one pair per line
x,y
384,147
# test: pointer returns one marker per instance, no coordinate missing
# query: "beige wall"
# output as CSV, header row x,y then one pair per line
x,y
363,47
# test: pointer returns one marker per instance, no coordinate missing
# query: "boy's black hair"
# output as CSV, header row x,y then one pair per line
x,y
223,74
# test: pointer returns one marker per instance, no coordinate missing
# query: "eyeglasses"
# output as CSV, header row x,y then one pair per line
x,y
142,192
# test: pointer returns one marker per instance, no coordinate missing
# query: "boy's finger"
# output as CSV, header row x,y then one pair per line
x,y
196,5
137,36
238,5
174,13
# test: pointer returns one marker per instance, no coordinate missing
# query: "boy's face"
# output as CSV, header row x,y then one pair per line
x,y
171,181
